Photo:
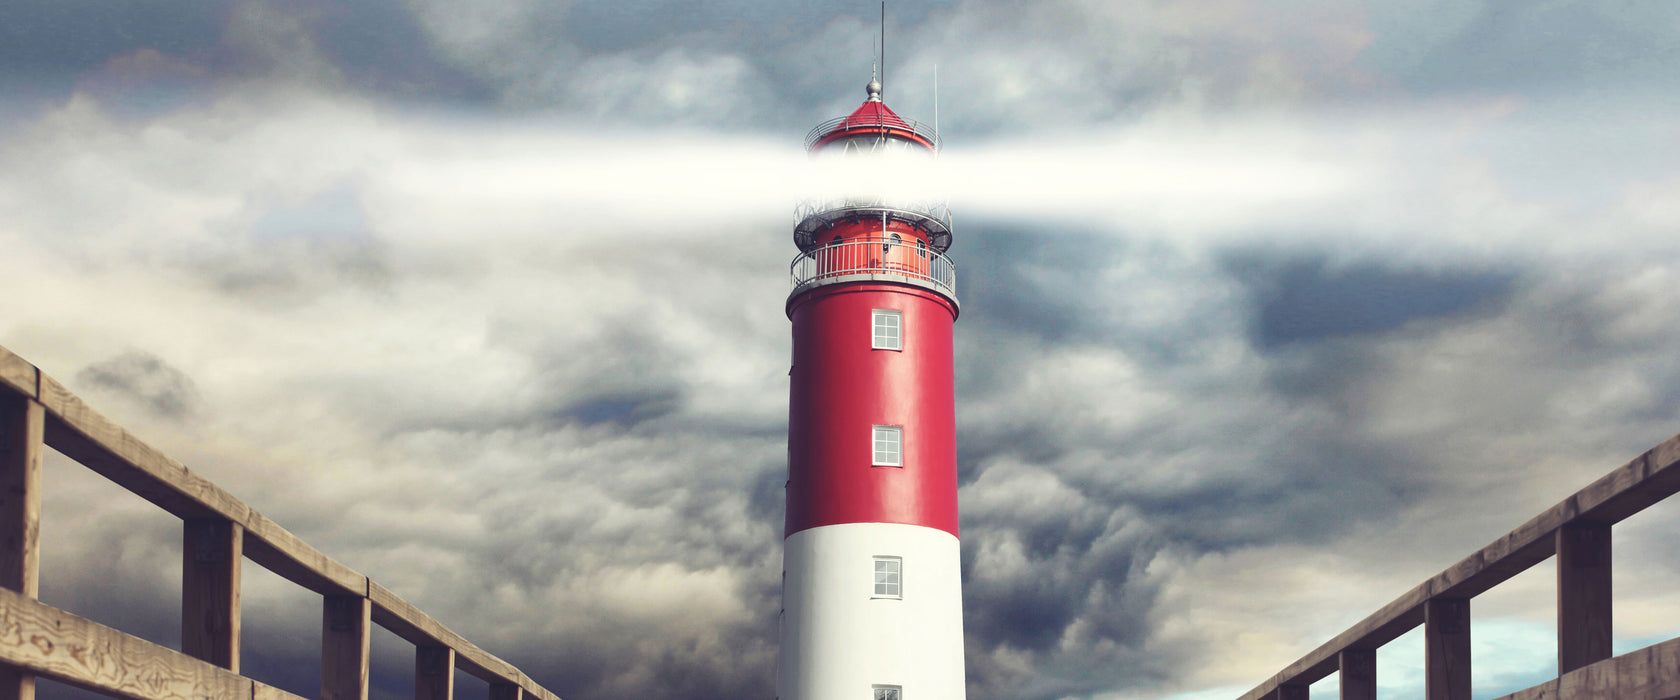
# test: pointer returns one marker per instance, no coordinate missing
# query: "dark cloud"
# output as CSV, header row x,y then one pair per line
x,y
1301,301
146,379
1530,45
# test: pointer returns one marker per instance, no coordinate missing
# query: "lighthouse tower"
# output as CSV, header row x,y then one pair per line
x,y
872,586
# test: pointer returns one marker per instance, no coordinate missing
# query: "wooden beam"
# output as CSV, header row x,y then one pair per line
x,y
22,426
1293,692
505,691
98,444
1358,674
17,375
55,644
1583,595
434,673
344,647
1446,644
1652,673
280,551
211,562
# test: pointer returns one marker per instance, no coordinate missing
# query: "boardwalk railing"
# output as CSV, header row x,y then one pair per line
x,y
218,532
1577,531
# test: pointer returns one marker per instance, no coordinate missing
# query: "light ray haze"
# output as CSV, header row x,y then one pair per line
x,y
1270,310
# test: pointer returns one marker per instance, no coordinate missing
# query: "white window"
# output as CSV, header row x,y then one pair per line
x,y
888,577
889,329
889,446
889,692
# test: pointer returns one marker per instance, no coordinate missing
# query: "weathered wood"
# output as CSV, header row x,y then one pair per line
x,y
434,673
1652,673
281,552
218,530
505,691
1583,595
1623,492
1446,649
1358,674
22,425
55,644
17,375
98,444
1293,692
404,620
344,647
212,553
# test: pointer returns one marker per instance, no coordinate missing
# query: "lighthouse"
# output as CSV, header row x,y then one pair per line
x,y
872,583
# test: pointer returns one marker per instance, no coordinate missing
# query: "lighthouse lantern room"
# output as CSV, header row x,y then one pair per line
x,y
872,585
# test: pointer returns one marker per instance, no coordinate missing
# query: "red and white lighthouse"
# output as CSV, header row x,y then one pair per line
x,y
872,584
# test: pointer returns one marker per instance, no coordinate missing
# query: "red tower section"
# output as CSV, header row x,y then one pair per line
x,y
863,255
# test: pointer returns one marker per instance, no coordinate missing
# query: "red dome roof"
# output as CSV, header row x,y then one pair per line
x,y
873,116
872,113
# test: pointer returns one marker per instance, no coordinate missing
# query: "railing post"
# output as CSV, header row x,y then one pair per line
x,y
22,428
434,673
1293,692
344,647
1583,595
506,691
1446,659
213,552
1358,674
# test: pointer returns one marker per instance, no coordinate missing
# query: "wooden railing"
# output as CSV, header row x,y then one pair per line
x,y
1577,531
218,532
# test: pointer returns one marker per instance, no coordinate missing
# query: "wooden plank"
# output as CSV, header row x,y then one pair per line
x,y
505,691
1652,673
17,375
434,673
1446,649
89,438
212,557
1634,486
52,643
1358,674
344,647
1544,691
22,425
1583,595
281,552
1658,677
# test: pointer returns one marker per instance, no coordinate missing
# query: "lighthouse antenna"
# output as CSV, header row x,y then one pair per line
x,y
883,47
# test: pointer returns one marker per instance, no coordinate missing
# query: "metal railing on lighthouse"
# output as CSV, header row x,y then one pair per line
x,y
878,259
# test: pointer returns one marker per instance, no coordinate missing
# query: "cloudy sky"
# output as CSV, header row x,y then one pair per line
x,y
1271,310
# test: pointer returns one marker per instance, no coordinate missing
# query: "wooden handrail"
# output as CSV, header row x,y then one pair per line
x,y
80,433
1629,489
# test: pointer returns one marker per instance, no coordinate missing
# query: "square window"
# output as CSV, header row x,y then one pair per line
x,y
889,692
889,577
888,330
889,446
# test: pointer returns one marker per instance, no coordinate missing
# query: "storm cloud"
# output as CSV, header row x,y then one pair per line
x,y
1269,311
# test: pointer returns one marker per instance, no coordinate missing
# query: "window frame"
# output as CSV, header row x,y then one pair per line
x,y
875,571
896,692
875,316
876,432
